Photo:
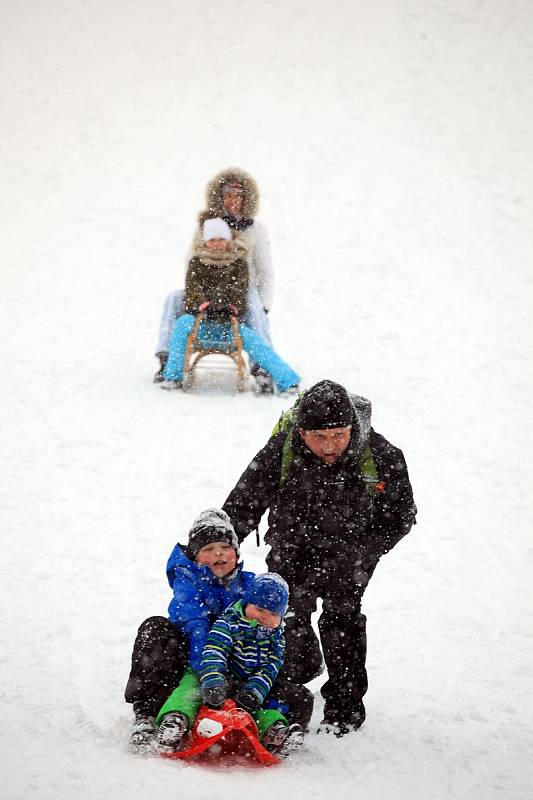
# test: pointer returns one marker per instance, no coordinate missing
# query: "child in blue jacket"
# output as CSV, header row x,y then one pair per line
x,y
205,579
242,657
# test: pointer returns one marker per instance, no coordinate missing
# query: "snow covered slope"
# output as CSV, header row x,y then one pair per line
x,y
392,144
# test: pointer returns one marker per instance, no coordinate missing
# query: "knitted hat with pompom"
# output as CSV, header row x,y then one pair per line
x,y
212,525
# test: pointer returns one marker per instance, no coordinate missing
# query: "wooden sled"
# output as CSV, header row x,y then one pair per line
x,y
222,732
197,349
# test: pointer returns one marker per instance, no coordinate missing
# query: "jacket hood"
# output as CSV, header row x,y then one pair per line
x,y
362,409
214,197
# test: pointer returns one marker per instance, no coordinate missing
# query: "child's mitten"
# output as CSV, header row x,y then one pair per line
x,y
247,700
214,696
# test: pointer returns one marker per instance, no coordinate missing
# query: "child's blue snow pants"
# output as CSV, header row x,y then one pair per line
x,y
256,347
254,316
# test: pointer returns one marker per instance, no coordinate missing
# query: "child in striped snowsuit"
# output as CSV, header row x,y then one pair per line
x,y
242,657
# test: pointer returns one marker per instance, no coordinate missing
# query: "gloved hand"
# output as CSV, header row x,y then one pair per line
x,y
247,700
369,563
360,576
217,311
205,305
364,569
214,696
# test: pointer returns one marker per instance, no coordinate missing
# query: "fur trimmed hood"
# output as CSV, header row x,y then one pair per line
x,y
213,193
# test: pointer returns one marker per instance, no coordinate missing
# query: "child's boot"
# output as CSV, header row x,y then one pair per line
x,y
282,740
163,358
263,380
170,386
171,731
290,390
143,732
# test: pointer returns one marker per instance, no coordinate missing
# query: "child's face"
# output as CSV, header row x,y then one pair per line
x,y
220,557
217,244
264,617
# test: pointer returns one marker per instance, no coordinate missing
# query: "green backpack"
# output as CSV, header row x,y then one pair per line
x,y
287,422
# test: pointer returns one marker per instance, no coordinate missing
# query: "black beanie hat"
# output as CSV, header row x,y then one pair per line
x,y
325,405
212,525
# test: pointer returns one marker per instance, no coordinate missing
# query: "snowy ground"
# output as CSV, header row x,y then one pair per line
x,y
392,143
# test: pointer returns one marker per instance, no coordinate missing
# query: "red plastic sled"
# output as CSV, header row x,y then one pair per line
x,y
229,727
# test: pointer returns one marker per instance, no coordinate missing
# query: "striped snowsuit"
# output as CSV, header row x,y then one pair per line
x,y
242,653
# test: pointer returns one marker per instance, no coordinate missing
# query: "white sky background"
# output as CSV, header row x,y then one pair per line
x,y
392,145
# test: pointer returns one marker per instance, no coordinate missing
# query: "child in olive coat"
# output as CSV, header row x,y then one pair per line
x,y
216,284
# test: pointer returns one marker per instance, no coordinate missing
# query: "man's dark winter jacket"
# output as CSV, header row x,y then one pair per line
x,y
324,523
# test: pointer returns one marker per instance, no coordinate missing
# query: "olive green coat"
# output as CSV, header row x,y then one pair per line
x,y
222,285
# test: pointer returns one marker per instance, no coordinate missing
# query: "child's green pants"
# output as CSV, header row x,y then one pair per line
x,y
187,699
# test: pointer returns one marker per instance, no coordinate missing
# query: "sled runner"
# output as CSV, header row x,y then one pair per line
x,y
233,732
229,343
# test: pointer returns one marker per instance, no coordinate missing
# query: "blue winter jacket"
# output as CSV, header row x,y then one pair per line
x,y
200,598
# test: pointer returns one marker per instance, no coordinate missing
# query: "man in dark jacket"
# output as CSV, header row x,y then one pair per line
x,y
339,498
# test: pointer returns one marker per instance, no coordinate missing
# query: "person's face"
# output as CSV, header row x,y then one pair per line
x,y
263,616
220,557
328,444
233,203
217,244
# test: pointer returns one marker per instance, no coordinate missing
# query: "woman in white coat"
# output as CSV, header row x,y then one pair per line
x,y
233,195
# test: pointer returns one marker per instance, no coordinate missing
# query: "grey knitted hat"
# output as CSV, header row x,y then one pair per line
x,y
212,525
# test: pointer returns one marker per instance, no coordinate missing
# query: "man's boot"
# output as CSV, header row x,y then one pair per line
x,y
340,722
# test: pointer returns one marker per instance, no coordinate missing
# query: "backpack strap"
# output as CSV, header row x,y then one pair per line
x,y
369,472
288,418
287,457
287,422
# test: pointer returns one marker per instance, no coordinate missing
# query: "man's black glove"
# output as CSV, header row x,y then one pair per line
x,y
247,700
360,577
214,696
364,569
